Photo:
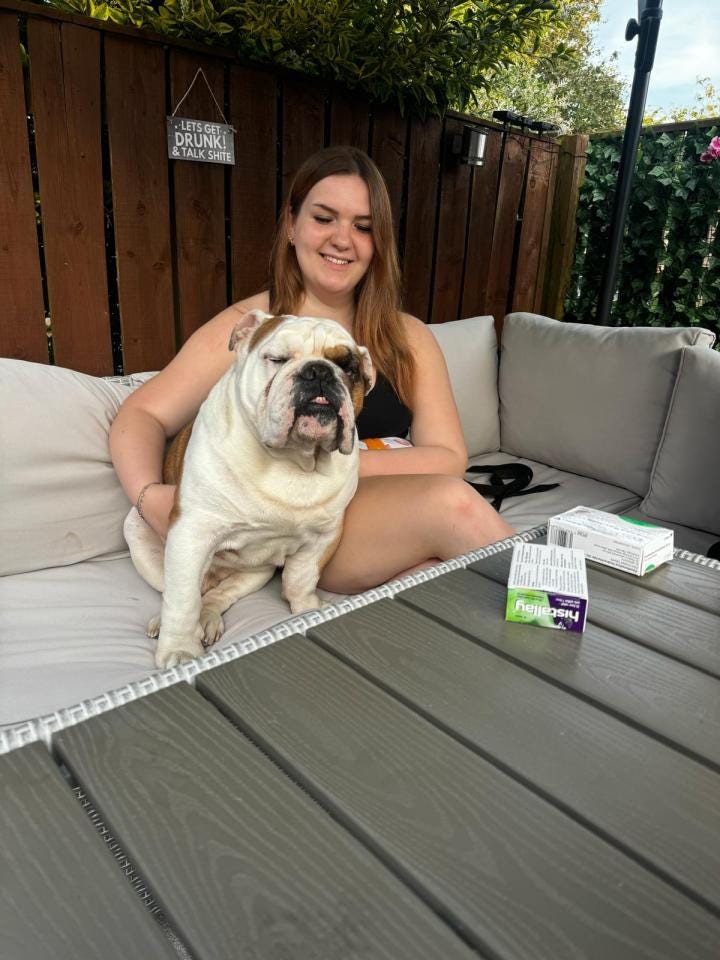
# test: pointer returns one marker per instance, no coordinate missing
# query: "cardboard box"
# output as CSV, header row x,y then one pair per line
x,y
547,587
629,545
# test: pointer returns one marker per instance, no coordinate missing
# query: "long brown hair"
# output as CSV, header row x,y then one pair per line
x,y
378,324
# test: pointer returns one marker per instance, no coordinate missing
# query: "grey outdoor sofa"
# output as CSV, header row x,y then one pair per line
x,y
625,420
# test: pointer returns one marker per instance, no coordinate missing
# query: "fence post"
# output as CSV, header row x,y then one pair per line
x,y
570,173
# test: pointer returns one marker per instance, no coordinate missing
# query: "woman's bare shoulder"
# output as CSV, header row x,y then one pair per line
x,y
419,336
215,334
258,301
175,394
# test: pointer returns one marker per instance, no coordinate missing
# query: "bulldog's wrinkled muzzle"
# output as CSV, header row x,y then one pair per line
x,y
317,388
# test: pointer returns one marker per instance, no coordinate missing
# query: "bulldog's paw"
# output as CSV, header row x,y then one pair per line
x,y
174,650
311,601
212,626
153,627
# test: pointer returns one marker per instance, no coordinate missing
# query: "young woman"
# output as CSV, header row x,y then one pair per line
x,y
334,256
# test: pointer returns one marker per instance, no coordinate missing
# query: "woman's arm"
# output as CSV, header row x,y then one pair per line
x,y
438,445
160,407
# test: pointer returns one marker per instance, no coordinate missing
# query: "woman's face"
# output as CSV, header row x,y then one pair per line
x,y
333,236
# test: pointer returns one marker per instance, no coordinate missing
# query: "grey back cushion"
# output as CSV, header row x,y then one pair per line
x,y
470,350
589,399
685,482
60,499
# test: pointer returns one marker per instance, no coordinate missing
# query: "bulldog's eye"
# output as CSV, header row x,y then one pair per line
x,y
271,359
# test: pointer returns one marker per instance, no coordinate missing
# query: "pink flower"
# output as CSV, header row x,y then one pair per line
x,y
712,152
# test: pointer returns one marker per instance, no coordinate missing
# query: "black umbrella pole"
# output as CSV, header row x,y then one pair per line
x,y
633,127
648,29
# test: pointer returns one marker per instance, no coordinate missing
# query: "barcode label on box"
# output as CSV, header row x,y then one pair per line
x,y
563,538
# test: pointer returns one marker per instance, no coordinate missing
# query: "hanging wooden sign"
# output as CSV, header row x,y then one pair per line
x,y
201,140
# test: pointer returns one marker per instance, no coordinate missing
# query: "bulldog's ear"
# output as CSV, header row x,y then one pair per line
x,y
368,369
245,327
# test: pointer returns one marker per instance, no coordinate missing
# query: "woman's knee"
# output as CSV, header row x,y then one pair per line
x,y
457,498
464,507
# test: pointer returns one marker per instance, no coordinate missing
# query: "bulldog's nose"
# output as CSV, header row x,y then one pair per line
x,y
317,371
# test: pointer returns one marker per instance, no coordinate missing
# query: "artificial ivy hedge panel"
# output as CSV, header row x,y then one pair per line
x,y
670,264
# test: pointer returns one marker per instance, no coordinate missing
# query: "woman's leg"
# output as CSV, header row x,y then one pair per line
x,y
397,522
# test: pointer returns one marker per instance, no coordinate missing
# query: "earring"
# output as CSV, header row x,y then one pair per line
x,y
291,241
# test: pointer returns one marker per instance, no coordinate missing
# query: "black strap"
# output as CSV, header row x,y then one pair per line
x,y
518,476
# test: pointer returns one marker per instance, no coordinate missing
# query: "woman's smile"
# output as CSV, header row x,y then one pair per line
x,y
335,261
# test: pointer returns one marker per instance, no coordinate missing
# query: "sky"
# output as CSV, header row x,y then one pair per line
x,y
688,47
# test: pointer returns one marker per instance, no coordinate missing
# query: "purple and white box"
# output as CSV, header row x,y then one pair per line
x,y
547,587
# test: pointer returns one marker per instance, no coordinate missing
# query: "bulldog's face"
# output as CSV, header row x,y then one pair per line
x,y
301,380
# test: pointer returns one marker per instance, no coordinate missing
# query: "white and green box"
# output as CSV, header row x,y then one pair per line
x,y
630,545
547,587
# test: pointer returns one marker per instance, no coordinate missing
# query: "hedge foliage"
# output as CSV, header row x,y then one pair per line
x,y
670,262
425,55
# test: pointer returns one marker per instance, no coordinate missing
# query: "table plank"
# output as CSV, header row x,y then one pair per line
x,y
648,798
614,603
63,897
518,876
668,699
691,583
242,862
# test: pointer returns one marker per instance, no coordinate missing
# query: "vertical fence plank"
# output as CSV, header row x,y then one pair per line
x,y
199,195
423,177
571,168
65,77
22,332
349,120
135,107
303,125
547,224
253,108
533,219
480,229
510,189
388,152
452,229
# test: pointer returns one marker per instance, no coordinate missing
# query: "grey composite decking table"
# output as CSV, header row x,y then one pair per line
x,y
414,779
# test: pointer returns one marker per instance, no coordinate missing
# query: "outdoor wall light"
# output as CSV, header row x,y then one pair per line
x,y
469,146
541,126
511,119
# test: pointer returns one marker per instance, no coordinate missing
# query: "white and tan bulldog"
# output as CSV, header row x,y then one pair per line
x,y
264,474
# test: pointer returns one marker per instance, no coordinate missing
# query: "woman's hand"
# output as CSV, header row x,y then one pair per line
x,y
156,506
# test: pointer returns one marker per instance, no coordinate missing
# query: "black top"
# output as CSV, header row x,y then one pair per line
x,y
383,413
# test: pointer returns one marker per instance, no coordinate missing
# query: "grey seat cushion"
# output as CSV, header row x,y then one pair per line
x,y
587,399
574,491
73,632
685,481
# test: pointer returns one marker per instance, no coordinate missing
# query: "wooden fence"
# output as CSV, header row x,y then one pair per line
x,y
111,255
